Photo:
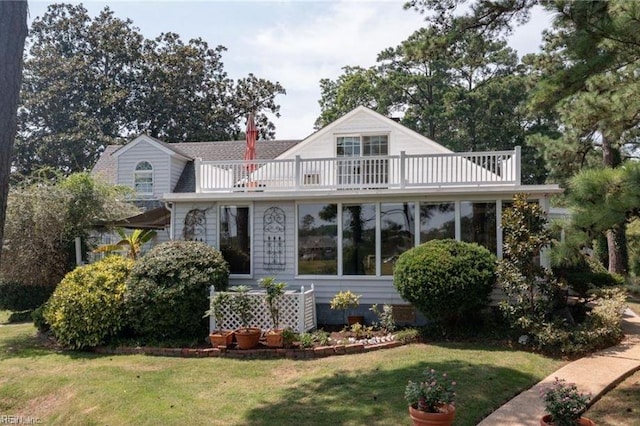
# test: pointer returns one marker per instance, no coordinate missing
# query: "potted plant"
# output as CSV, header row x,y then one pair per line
x,y
564,405
243,305
274,291
431,399
345,301
219,336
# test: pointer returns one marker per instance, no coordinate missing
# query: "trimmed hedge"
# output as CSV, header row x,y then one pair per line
x,y
22,297
168,290
87,307
446,279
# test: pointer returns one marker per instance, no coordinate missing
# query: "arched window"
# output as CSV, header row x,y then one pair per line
x,y
143,178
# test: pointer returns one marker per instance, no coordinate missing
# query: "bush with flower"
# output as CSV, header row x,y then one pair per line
x,y
430,393
564,403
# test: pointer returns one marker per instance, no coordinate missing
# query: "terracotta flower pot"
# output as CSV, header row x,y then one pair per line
x,y
247,338
221,338
423,418
274,339
582,421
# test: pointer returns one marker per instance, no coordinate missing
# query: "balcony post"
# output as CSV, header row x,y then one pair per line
x,y
297,173
198,169
403,168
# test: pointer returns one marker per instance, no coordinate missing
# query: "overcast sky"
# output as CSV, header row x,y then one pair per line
x,y
294,42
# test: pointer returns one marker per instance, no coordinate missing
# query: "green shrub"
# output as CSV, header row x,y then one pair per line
x,y
583,280
310,339
530,290
168,289
22,297
445,279
600,329
86,309
20,316
38,319
407,335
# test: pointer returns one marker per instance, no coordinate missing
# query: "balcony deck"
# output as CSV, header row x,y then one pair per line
x,y
470,169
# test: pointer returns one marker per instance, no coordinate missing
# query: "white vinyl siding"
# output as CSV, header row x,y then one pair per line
x,y
211,214
145,151
323,144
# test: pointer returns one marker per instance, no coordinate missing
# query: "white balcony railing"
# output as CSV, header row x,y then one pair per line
x,y
393,171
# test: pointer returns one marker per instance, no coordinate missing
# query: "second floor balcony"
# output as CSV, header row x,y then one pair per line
x,y
470,169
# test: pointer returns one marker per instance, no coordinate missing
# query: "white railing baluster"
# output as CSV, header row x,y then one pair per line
x,y
400,171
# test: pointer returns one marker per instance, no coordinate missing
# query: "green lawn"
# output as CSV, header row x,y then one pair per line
x,y
619,407
85,389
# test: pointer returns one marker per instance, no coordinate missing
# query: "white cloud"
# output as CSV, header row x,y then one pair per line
x,y
305,48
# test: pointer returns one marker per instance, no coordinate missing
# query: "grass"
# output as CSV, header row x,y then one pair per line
x,y
4,316
85,389
619,407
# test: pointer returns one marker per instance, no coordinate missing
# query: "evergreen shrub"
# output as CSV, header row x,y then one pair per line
x,y
86,309
446,279
21,297
168,290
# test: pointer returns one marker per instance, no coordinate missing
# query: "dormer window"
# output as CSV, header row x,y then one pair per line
x,y
143,178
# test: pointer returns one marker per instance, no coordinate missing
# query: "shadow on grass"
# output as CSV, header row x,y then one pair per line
x,y
17,341
377,397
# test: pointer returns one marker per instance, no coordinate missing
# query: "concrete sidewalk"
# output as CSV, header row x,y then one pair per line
x,y
595,374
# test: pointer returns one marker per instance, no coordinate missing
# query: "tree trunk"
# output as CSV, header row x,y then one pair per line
x,y
616,237
617,248
13,31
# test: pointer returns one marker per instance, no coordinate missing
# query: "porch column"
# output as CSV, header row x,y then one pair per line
x,y
499,233
544,254
197,164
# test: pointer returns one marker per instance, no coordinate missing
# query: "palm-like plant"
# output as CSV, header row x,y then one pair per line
x,y
133,242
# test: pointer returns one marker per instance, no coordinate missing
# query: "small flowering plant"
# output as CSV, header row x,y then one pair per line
x,y
430,393
564,403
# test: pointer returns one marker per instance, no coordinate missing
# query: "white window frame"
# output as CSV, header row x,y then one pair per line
x,y
143,173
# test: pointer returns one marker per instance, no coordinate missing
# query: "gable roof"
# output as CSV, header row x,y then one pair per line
x,y
389,122
105,167
167,148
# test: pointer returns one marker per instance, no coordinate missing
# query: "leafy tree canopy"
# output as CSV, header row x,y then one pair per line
x,y
89,82
45,215
457,86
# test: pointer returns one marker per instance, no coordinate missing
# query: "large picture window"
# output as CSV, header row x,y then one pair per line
x,y
437,221
317,239
397,235
235,238
353,239
478,224
143,178
359,239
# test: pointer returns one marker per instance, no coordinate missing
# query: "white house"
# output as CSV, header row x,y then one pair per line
x,y
335,209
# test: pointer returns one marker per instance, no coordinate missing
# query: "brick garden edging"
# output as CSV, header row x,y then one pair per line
x,y
223,352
